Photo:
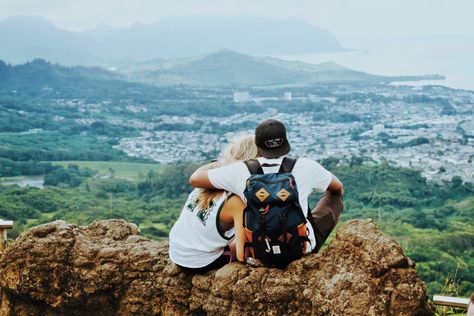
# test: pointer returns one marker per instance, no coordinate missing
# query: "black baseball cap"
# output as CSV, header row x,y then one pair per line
x,y
270,138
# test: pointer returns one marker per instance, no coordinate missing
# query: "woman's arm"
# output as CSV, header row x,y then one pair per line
x,y
237,206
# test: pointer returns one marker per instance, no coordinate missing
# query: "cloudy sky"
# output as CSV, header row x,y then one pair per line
x,y
350,20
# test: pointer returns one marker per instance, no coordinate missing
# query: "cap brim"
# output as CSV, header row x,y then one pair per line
x,y
275,153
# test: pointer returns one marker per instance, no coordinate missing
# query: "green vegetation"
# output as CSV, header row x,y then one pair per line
x,y
414,142
152,202
10,168
41,79
56,146
127,170
432,222
71,176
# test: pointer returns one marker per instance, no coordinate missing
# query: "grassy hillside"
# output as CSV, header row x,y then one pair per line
x,y
42,79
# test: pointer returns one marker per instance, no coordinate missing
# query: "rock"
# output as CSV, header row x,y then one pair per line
x,y
106,268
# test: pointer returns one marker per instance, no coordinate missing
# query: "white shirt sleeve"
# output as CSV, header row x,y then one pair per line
x,y
231,178
319,178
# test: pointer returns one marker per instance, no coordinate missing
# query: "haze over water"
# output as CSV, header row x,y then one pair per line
x,y
451,57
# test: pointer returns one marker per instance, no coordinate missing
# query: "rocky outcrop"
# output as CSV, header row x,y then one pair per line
x,y
106,268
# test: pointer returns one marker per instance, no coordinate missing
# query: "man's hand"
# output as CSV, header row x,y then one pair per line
x,y
200,179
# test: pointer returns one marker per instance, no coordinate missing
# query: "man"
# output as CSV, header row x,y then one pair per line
x,y
273,145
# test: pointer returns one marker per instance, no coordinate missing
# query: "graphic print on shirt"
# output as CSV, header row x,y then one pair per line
x,y
192,202
191,205
203,214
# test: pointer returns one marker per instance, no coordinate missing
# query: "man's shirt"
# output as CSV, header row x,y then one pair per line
x,y
309,175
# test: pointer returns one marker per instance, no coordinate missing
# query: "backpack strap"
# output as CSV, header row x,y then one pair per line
x,y
254,166
287,165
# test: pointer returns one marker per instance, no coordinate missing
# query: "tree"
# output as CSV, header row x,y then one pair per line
x,y
456,182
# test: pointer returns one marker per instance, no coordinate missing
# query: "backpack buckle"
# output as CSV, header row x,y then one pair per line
x,y
265,210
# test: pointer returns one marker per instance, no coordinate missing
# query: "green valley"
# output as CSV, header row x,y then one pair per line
x,y
106,147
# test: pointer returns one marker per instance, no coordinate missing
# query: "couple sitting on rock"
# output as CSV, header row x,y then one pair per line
x,y
252,206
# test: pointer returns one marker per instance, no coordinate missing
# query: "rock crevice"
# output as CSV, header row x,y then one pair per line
x,y
107,268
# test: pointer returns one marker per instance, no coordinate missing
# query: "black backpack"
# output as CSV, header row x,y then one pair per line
x,y
274,223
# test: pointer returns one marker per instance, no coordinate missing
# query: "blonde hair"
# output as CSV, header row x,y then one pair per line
x,y
240,148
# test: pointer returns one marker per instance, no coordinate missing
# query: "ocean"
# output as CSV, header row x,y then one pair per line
x,y
452,57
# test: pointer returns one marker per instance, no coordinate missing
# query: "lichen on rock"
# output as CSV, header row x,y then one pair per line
x,y
107,268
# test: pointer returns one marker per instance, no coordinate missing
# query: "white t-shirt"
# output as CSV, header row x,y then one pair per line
x,y
309,175
195,240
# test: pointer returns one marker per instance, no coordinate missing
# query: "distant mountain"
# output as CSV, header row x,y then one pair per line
x,y
102,31
39,77
26,38
229,68
42,72
187,36
225,68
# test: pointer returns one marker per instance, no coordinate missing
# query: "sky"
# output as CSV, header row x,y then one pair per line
x,y
351,21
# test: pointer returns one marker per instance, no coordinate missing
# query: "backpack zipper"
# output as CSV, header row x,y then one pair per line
x,y
274,181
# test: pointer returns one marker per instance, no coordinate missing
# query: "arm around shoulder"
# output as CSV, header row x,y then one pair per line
x,y
200,177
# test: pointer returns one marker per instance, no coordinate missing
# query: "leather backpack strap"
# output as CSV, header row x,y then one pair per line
x,y
254,166
287,165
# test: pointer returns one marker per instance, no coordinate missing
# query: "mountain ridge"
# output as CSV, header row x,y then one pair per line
x,y
25,38
224,68
227,68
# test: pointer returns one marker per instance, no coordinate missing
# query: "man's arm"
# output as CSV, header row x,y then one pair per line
x,y
200,178
229,177
325,215
335,187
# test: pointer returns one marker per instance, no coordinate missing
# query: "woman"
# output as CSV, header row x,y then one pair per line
x,y
201,239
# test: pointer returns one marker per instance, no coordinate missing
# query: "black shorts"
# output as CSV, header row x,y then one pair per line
x,y
224,259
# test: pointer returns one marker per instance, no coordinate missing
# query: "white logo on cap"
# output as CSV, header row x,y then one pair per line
x,y
273,143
